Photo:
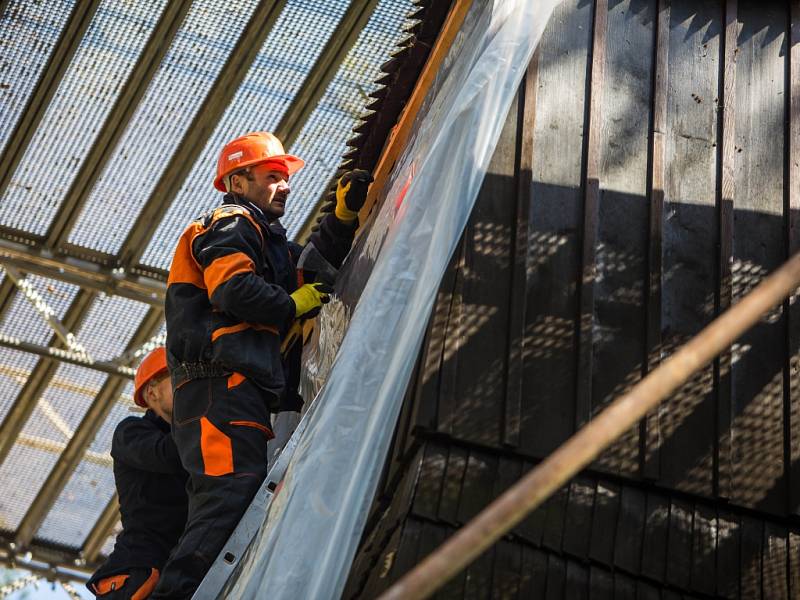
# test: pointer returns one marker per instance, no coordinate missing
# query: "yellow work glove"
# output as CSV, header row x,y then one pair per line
x,y
309,297
351,193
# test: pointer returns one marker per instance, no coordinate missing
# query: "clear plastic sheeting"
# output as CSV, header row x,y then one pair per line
x,y
307,544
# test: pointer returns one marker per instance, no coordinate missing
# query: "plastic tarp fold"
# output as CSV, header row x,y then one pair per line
x,y
306,546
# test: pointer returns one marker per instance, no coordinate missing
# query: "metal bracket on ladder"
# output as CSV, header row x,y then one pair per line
x,y
241,538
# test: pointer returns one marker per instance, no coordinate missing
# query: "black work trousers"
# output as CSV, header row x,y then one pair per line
x,y
221,427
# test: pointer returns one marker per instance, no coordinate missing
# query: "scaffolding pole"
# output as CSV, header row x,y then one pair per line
x,y
597,435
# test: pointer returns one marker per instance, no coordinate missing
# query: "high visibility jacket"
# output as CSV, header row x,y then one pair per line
x,y
228,298
151,484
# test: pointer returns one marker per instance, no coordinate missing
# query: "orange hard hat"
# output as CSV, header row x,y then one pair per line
x,y
153,365
253,149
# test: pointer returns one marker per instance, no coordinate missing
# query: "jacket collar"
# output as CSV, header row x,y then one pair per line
x,y
151,416
275,227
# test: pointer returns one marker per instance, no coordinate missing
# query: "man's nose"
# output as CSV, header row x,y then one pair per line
x,y
283,187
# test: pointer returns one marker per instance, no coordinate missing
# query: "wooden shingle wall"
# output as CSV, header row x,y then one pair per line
x,y
614,224
647,178
600,537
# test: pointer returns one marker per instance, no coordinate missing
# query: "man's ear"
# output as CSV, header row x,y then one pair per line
x,y
147,394
236,183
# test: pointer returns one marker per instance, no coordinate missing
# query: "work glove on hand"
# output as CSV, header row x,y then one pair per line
x,y
309,297
351,193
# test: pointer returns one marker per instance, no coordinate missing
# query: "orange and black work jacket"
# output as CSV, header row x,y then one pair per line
x,y
228,304
151,484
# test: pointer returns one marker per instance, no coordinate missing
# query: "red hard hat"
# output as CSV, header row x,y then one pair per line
x,y
253,149
153,365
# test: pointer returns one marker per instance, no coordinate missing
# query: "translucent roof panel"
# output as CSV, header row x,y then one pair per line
x,y
85,95
107,329
89,489
58,413
28,33
15,367
322,140
190,67
110,324
21,476
23,321
290,50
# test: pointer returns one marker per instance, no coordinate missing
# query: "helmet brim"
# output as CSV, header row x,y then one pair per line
x,y
293,165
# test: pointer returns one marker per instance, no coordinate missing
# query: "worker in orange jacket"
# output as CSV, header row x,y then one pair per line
x,y
151,485
232,297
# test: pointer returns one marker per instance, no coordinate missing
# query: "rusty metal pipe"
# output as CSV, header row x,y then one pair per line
x,y
597,435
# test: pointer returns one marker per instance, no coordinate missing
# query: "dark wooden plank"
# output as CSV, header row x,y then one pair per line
x,y
480,380
479,484
449,409
507,568
408,549
591,207
687,419
774,568
577,583
650,427
556,578
759,248
534,573
794,564
431,537
579,518
624,587
478,582
377,575
554,522
452,485
433,409
630,530
728,535
752,539
726,190
601,584
620,318
656,529
679,545
517,294
792,307
554,227
431,479
454,588
604,523
645,591
704,550
532,526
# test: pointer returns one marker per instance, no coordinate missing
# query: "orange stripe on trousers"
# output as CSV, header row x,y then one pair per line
x,y
216,449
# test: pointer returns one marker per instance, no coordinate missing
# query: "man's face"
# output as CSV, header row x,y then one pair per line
x,y
158,397
266,188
